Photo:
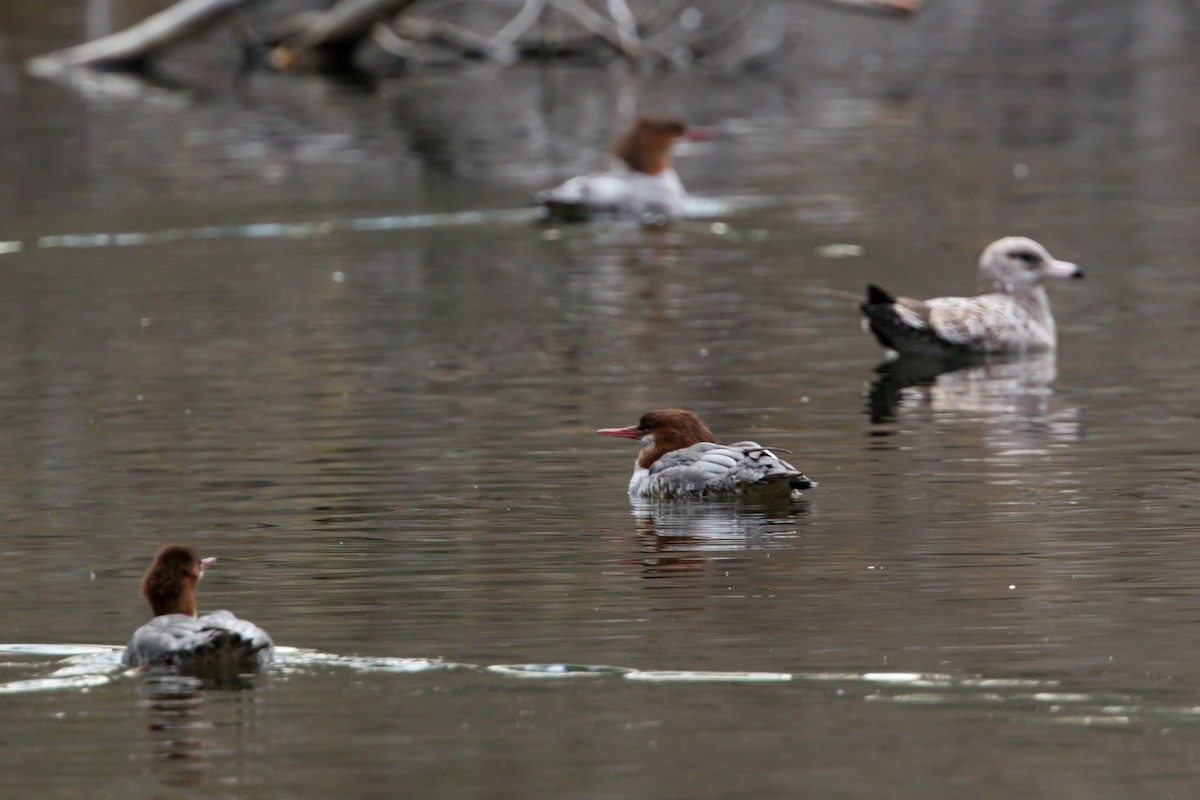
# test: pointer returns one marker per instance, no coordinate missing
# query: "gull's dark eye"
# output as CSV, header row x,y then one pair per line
x,y
1029,257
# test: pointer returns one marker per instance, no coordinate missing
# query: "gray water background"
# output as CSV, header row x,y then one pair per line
x,y
386,436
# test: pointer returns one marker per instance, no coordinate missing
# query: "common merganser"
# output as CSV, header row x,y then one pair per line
x,y
642,186
215,644
682,459
1011,314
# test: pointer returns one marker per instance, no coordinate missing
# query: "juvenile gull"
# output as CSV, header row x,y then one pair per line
x,y
682,459
1011,313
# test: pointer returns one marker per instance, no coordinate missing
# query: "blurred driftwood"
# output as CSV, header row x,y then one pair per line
x,y
131,48
472,45
897,7
654,32
649,33
325,41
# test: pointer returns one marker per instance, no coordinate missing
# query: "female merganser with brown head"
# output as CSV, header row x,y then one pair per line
x,y
1010,315
682,459
218,643
642,186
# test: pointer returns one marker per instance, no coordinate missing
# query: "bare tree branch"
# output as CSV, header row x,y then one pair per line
x,y
665,31
592,22
469,43
132,46
626,25
348,22
516,27
660,15
396,46
896,7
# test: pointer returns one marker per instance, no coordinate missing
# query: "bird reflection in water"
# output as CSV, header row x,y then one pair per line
x,y
179,731
1012,397
678,538
182,737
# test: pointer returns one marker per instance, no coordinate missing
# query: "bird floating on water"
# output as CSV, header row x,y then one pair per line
x,y
217,644
683,459
641,186
1011,314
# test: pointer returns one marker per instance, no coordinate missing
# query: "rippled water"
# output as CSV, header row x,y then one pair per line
x,y
338,355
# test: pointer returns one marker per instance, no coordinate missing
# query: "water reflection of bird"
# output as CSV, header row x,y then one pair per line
x,y
177,726
217,644
642,186
683,538
683,459
1006,393
717,525
1010,315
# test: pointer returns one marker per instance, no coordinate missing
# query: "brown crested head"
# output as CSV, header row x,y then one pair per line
x,y
169,585
646,146
663,431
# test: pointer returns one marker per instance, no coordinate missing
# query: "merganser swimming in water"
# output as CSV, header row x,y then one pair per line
x,y
642,186
682,459
1011,314
218,643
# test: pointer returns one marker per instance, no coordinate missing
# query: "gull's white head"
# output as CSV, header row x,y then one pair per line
x,y
1016,262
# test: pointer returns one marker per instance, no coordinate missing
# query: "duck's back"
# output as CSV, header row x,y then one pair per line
x,y
214,643
718,470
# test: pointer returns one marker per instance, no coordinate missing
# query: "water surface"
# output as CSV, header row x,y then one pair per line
x,y
386,431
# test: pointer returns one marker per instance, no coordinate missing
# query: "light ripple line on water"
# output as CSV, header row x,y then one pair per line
x,y
52,684
556,670
706,676
59,649
280,230
294,656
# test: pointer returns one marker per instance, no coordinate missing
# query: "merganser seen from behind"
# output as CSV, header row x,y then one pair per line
x,y
642,186
1010,315
216,644
682,459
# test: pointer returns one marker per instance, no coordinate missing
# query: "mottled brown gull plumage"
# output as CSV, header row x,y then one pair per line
x,y
1010,315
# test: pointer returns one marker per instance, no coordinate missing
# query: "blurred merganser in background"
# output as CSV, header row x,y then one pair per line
x,y
642,186
1011,314
682,459
214,644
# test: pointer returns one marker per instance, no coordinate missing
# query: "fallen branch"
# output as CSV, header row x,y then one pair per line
x,y
131,48
515,28
596,24
661,14
902,8
469,43
626,26
619,33
648,31
348,23
395,46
